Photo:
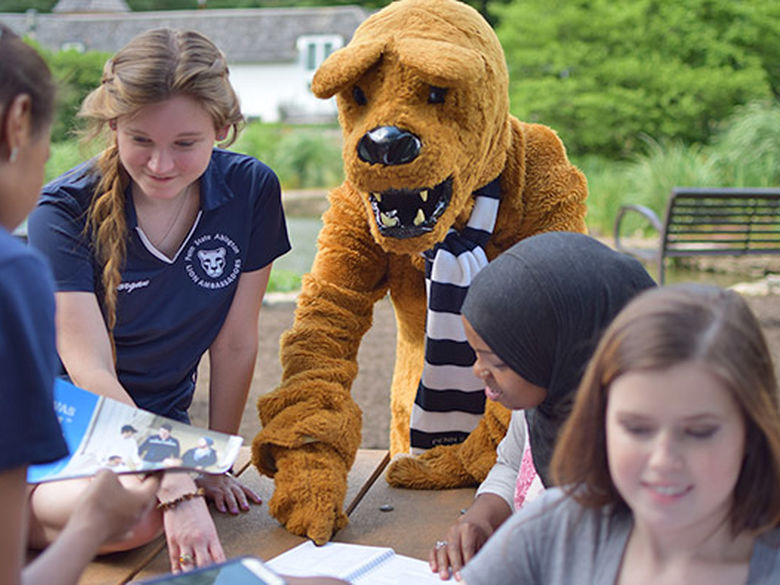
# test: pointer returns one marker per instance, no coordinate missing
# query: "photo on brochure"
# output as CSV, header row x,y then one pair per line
x,y
103,433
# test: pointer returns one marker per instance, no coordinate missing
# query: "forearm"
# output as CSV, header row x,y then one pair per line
x,y
230,379
100,381
502,477
84,345
487,510
174,485
62,562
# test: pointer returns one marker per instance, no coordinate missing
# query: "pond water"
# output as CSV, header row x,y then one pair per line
x,y
303,238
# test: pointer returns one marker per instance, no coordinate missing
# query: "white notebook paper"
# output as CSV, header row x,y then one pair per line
x,y
359,564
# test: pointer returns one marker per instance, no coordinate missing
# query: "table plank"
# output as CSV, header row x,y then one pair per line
x,y
120,567
417,519
256,532
243,460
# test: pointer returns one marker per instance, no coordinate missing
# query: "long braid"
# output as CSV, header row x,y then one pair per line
x,y
106,221
153,67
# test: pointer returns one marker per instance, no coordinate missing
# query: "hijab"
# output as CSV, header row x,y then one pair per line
x,y
541,306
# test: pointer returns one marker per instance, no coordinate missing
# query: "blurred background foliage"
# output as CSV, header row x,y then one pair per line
x,y
605,72
645,94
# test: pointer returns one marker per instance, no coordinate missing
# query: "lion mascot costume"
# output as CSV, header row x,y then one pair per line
x,y
440,179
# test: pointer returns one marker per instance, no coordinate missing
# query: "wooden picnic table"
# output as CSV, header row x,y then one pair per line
x,y
409,521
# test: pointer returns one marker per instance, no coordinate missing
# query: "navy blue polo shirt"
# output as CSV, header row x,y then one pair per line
x,y
156,449
29,430
168,310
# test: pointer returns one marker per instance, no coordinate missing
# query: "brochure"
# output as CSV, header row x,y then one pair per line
x,y
355,563
105,433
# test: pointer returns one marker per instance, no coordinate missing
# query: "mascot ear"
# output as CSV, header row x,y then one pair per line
x,y
344,67
441,62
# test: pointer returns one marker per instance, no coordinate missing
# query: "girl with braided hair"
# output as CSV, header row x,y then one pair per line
x,y
162,246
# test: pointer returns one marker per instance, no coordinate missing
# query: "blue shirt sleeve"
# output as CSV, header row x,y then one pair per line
x,y
29,430
58,233
269,238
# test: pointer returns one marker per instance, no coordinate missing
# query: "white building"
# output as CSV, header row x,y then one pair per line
x,y
272,52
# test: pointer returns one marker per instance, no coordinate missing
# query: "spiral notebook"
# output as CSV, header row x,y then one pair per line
x,y
355,563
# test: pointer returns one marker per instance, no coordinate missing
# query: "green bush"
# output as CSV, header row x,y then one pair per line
x,y
747,148
302,156
282,280
65,155
76,74
608,187
604,72
745,153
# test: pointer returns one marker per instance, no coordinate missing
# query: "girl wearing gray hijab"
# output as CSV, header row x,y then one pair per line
x,y
533,317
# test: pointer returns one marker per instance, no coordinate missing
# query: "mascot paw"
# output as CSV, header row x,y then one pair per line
x,y
319,523
310,487
438,468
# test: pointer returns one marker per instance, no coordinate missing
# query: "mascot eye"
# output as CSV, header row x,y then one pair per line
x,y
436,95
359,96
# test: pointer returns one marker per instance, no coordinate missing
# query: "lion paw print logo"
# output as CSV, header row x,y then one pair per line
x,y
213,261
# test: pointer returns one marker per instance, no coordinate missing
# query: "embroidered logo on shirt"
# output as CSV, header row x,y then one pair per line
x,y
213,261
129,287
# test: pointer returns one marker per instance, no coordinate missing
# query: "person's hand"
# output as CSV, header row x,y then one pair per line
x,y
191,536
227,493
112,508
464,539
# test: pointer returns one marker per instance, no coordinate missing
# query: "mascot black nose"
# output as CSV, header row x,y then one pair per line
x,y
388,145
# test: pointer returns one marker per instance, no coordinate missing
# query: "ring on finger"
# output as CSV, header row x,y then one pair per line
x,y
440,544
186,559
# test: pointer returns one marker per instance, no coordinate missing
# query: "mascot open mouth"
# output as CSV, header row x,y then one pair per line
x,y
407,213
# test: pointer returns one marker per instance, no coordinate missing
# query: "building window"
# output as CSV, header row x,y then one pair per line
x,y
77,46
311,57
314,49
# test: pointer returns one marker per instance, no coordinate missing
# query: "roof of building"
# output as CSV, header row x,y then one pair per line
x,y
251,35
91,6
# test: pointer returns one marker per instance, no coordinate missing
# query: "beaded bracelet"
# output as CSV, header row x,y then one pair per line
x,y
199,493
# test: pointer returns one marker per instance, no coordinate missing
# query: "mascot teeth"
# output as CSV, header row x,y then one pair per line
x,y
387,220
407,213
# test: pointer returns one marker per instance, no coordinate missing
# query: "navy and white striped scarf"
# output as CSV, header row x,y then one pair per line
x,y
450,399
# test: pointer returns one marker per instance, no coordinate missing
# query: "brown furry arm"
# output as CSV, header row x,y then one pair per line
x,y
319,352
311,416
318,355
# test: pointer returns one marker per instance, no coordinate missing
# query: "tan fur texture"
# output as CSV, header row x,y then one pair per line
x,y
397,58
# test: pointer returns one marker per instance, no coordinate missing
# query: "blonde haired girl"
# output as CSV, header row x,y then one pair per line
x,y
162,247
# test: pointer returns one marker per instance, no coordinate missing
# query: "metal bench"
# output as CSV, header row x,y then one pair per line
x,y
709,222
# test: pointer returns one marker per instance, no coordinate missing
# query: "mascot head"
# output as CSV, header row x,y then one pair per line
x,y
422,92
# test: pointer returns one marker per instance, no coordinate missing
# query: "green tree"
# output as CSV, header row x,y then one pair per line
x,y
604,72
76,74
22,5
